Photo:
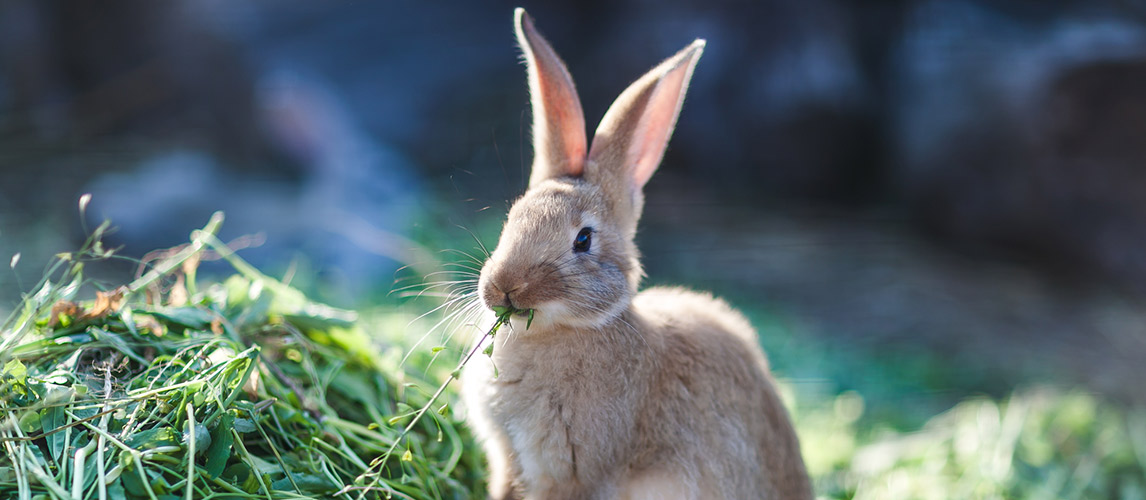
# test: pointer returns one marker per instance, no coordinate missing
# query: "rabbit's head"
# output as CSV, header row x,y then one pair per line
x,y
567,252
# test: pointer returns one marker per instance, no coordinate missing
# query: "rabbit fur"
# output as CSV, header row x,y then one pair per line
x,y
605,392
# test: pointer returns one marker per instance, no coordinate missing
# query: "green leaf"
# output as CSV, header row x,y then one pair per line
x,y
186,317
16,370
251,484
30,422
115,491
307,483
53,418
265,466
132,484
244,425
152,438
220,450
202,438
237,471
85,412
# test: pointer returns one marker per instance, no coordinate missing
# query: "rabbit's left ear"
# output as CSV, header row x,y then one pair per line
x,y
558,122
635,131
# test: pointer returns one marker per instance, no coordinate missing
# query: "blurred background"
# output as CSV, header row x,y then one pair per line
x,y
918,200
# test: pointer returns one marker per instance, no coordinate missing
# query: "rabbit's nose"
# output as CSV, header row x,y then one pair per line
x,y
495,296
502,295
509,294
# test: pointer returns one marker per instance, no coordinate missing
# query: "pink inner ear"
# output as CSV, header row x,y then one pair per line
x,y
652,135
569,126
558,123
631,139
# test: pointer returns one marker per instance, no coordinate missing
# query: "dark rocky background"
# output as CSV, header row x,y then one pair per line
x,y
957,180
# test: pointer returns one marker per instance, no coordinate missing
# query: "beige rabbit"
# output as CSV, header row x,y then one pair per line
x,y
603,392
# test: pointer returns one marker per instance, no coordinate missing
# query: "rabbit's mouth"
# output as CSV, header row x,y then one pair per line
x,y
504,313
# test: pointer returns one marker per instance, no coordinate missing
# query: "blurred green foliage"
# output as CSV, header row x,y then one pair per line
x,y
1038,443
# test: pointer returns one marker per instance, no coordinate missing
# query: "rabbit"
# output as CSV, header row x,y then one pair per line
x,y
595,391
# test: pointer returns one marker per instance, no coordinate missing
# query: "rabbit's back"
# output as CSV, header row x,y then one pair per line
x,y
712,406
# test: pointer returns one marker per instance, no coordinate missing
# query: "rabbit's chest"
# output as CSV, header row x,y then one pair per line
x,y
541,431
553,424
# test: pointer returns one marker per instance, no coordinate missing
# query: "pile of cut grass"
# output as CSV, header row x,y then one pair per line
x,y
164,389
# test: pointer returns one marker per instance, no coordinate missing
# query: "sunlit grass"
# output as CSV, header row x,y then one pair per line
x,y
1038,443
174,387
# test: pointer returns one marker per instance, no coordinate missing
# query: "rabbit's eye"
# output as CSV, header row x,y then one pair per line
x,y
583,240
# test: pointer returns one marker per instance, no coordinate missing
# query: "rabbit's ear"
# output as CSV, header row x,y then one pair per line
x,y
635,131
558,122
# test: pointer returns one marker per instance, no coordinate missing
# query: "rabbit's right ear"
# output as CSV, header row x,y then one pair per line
x,y
559,142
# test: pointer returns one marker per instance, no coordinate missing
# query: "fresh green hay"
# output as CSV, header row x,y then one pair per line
x,y
161,389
